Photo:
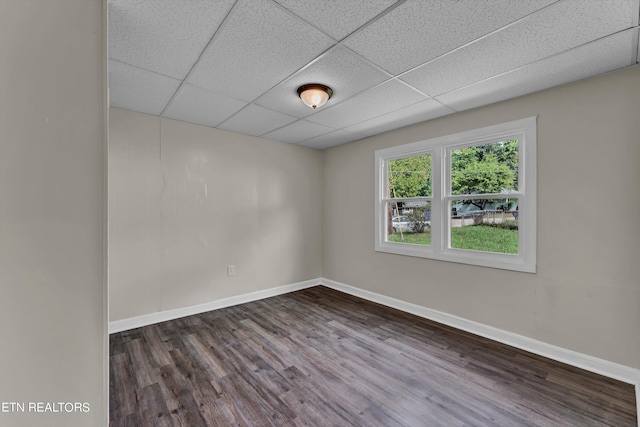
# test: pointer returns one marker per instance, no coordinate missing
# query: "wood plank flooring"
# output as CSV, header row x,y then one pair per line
x,y
319,357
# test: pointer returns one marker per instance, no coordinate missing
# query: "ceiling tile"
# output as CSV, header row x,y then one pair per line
x,y
255,120
341,69
419,112
259,45
554,29
603,55
337,19
418,31
298,131
379,100
390,63
165,36
195,105
331,139
139,90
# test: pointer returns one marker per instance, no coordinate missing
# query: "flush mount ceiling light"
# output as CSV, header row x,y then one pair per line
x,y
314,95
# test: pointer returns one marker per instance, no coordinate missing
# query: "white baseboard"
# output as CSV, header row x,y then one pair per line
x,y
579,360
163,316
638,403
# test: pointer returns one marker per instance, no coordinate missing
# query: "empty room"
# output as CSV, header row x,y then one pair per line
x,y
301,212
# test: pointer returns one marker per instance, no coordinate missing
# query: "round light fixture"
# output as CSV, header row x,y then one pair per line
x,y
314,95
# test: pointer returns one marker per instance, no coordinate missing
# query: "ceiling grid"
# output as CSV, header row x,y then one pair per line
x,y
236,64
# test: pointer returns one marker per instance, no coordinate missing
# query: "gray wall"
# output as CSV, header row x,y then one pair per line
x,y
585,296
586,293
185,201
52,316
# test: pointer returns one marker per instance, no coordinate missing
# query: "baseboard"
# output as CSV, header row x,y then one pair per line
x,y
638,402
579,360
163,316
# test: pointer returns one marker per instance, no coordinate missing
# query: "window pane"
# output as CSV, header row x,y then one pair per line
x,y
485,169
410,176
489,225
409,222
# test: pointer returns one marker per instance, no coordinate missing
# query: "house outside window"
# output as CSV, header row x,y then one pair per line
x,y
468,197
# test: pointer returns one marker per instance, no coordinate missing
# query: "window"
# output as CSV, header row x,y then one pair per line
x,y
468,197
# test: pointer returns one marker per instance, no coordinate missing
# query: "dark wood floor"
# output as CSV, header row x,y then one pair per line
x,y
318,357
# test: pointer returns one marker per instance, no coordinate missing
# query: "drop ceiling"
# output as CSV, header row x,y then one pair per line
x,y
236,65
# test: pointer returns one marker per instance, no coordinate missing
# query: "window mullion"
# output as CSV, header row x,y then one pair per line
x,y
437,218
469,246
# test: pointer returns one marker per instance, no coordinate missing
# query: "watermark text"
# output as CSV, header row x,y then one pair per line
x,y
44,407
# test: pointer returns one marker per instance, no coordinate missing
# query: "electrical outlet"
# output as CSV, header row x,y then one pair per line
x,y
231,270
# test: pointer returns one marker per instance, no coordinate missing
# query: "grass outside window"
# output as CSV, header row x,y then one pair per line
x,y
487,238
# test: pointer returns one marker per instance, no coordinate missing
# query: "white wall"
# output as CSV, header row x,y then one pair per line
x,y
186,200
586,293
52,316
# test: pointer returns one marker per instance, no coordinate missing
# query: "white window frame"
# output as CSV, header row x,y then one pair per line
x,y
524,130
